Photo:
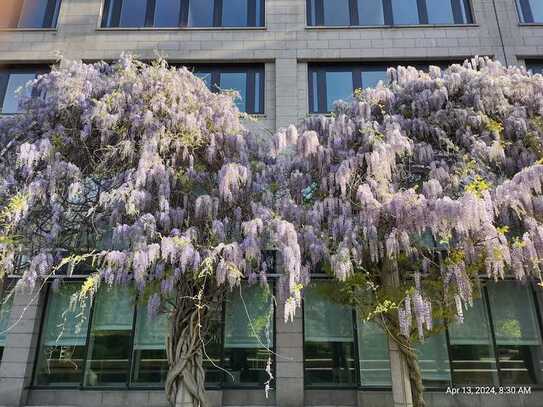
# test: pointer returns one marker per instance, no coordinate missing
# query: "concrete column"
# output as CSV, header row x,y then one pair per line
x,y
21,342
289,372
401,385
286,92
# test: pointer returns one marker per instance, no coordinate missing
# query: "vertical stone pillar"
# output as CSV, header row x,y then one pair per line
x,y
18,359
289,372
286,92
401,385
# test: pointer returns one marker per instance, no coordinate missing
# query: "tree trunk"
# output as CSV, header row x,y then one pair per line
x,y
185,382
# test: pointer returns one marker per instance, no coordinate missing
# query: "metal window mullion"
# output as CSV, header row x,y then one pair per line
x,y
131,346
311,94
217,13
215,80
319,12
223,332
4,81
387,12
526,11
486,299
149,20
41,326
262,90
321,91
87,341
49,13
353,12
115,20
469,12
423,11
357,78
184,13
262,13
358,376
448,341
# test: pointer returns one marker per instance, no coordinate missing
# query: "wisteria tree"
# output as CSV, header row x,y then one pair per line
x,y
143,174
417,188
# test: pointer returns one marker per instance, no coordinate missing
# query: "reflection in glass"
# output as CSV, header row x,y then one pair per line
x,y
201,13
517,333
372,75
531,11
405,12
329,353
167,13
339,86
64,334
11,98
150,364
434,361
235,81
109,342
337,12
248,334
472,353
38,13
234,13
535,67
370,12
133,13
373,354
440,11
5,313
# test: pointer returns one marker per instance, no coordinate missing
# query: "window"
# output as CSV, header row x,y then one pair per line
x,y
434,361
530,11
247,81
329,83
61,355
517,333
471,350
29,13
115,344
534,66
183,13
388,12
5,313
373,355
329,345
12,79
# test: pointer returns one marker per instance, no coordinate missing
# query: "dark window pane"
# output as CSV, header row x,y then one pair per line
x,y
405,12
236,81
234,13
472,353
535,67
248,334
61,354
372,75
517,333
328,340
133,13
150,364
434,361
312,17
201,13
370,12
167,13
109,343
339,86
439,11
213,346
34,13
258,90
336,12
531,11
15,81
373,354
5,313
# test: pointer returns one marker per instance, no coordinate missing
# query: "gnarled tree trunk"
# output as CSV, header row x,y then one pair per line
x,y
185,382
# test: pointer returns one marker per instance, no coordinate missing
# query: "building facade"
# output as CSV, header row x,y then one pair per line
x,y
288,59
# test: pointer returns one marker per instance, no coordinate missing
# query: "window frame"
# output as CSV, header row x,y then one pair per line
x,y
525,13
388,16
215,71
37,69
52,13
129,385
252,17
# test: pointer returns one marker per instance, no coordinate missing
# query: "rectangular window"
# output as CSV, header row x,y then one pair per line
x,y
471,350
29,13
387,12
5,313
373,355
329,345
530,11
535,66
248,334
247,81
108,354
183,13
434,361
13,79
61,355
517,333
